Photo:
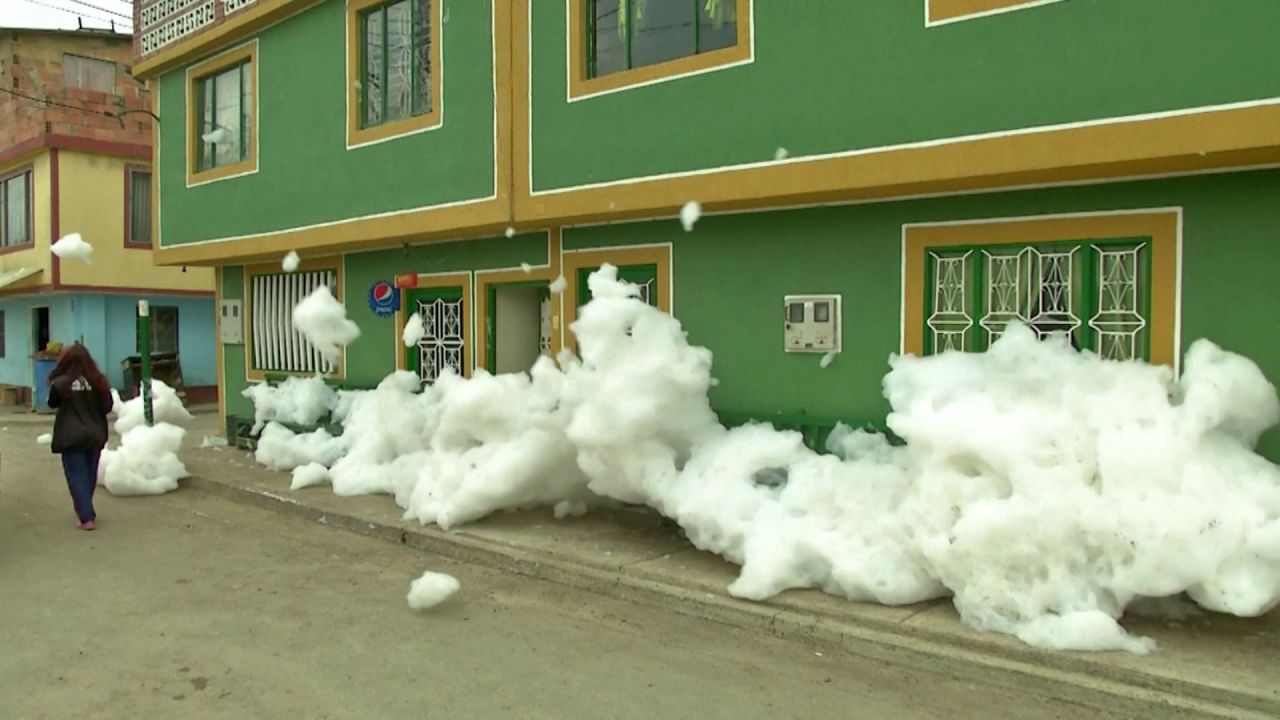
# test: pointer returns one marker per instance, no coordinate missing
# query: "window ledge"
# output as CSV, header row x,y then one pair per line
x,y
18,248
244,167
357,136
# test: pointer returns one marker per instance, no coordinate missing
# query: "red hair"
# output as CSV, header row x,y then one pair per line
x,y
76,362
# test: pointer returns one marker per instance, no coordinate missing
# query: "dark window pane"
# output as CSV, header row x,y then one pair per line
x,y
718,26
17,224
609,46
246,109
140,207
373,68
227,118
422,100
661,30
399,53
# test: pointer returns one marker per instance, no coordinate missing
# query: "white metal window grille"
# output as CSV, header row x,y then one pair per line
x,y
951,317
442,345
1046,288
277,345
1118,321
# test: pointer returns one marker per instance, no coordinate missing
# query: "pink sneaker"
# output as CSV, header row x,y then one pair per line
x,y
86,525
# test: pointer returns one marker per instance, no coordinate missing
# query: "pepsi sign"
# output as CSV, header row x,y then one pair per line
x,y
384,299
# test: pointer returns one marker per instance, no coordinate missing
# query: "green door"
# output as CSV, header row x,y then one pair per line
x,y
643,276
444,343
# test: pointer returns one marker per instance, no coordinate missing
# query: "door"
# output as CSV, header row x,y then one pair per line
x,y
444,343
517,326
643,276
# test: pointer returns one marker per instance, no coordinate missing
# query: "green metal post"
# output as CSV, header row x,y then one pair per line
x,y
144,349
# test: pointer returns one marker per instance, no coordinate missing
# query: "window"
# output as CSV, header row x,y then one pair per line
x,y
222,100
276,345
394,71
1098,293
623,42
15,210
225,122
626,34
88,73
138,207
164,330
1108,279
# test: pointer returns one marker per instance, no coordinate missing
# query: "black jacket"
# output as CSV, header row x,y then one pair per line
x,y
81,424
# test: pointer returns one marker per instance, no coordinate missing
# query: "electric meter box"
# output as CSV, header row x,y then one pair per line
x,y
231,322
811,323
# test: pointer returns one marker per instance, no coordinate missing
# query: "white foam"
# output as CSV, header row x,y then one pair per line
x,y
431,589
1043,489
689,214
322,320
73,247
414,330
290,262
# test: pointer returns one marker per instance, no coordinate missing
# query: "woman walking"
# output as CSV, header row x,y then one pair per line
x,y
82,396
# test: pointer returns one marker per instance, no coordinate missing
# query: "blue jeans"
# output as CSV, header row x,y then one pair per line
x,y
81,469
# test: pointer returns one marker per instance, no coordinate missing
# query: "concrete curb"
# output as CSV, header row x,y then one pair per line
x,y
1073,678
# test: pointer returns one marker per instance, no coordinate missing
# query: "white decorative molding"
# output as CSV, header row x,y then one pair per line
x,y
178,28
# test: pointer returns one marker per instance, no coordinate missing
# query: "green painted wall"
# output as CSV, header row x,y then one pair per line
x,y
832,76
733,270
233,377
370,358
305,174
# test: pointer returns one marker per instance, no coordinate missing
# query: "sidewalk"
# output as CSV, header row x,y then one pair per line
x,y
1211,665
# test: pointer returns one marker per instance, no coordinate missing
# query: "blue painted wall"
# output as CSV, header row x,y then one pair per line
x,y
15,366
195,335
106,325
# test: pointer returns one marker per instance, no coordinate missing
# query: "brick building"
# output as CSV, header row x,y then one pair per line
x,y
75,156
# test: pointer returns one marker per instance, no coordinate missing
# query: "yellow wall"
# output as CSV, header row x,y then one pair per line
x,y
38,256
92,204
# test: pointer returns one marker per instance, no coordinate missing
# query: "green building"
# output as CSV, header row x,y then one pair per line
x,y
876,177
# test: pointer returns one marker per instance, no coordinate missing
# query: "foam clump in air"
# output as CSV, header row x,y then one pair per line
x,y
414,330
45,439
322,320
73,247
780,154
558,285
431,589
689,214
290,262
1044,490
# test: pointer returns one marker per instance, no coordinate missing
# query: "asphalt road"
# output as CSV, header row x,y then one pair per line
x,y
191,606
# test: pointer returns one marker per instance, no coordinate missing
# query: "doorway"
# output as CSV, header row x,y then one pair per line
x,y
518,326
39,328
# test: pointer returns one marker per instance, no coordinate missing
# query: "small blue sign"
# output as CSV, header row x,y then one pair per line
x,y
384,299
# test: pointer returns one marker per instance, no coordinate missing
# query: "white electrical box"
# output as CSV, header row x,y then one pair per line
x,y
811,323
231,322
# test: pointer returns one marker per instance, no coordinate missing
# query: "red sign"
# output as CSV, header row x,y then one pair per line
x,y
406,280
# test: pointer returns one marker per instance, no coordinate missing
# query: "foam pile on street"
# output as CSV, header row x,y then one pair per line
x,y
146,461
1042,489
431,589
